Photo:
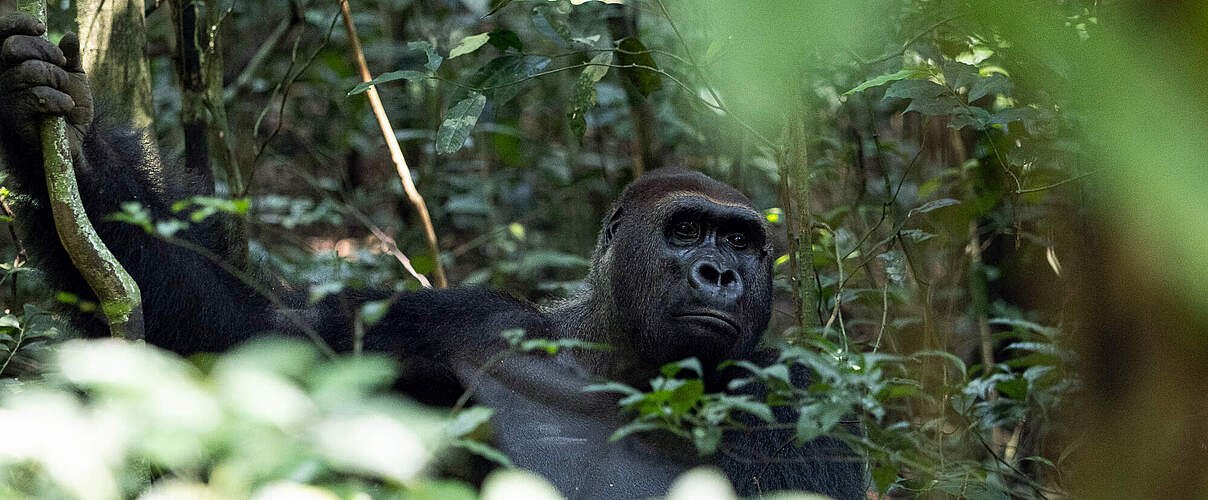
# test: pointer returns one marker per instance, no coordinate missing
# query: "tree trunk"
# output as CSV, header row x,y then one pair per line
x,y
113,41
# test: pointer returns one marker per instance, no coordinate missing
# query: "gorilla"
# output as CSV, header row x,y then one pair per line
x,y
682,268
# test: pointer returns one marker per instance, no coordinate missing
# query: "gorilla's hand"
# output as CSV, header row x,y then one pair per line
x,y
38,79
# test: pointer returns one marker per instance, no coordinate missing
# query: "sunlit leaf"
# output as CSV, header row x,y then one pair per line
x,y
469,44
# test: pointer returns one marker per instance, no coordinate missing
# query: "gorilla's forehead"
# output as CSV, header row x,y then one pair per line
x,y
664,183
689,200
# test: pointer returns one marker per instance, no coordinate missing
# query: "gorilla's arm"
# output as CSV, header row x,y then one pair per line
x,y
190,304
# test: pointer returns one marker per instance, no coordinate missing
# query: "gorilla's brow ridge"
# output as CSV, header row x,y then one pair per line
x,y
679,195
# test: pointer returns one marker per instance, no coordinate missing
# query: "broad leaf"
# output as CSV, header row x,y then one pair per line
x,y
469,420
995,84
585,92
483,451
631,52
458,123
904,74
895,266
932,205
504,77
959,74
506,39
469,44
403,74
914,89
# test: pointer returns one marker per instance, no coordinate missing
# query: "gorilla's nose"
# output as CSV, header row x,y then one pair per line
x,y
714,278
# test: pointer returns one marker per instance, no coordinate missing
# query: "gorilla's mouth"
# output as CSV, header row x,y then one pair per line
x,y
713,318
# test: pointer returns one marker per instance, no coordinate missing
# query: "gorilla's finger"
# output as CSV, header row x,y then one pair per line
x,y
20,47
51,101
70,47
33,73
20,24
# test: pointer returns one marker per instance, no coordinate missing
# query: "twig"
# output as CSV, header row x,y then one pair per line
x,y
266,49
905,45
1056,184
396,152
283,87
391,246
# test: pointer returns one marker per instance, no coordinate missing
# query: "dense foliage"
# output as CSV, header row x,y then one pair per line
x,y
923,151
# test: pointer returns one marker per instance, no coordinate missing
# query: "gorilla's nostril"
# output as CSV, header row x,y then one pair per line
x,y
728,278
708,274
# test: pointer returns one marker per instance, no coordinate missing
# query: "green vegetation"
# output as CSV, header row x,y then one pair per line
x,y
990,217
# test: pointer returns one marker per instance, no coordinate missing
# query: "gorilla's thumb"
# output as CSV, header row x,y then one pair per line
x,y
70,45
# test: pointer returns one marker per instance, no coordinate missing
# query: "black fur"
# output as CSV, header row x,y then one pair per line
x,y
682,268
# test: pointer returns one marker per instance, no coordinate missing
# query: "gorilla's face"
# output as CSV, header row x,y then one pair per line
x,y
693,278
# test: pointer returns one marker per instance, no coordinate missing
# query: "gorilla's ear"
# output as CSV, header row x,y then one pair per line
x,y
613,222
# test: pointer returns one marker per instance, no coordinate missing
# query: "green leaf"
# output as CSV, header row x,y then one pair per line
x,y
917,235
895,266
345,379
403,74
914,73
513,336
914,89
373,312
932,205
9,321
458,123
746,404
884,477
1014,388
469,420
555,31
686,396
973,116
1033,120
585,92
483,450
530,345
504,77
1028,325
946,355
959,74
671,369
506,39
430,67
706,439
434,59
469,44
995,84
631,428
612,387
319,291
631,52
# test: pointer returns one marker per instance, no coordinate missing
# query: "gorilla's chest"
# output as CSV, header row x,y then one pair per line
x,y
573,452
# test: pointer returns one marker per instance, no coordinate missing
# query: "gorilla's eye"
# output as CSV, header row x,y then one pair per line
x,y
737,240
686,230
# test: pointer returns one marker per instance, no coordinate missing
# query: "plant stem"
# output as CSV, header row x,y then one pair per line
x,y
396,152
